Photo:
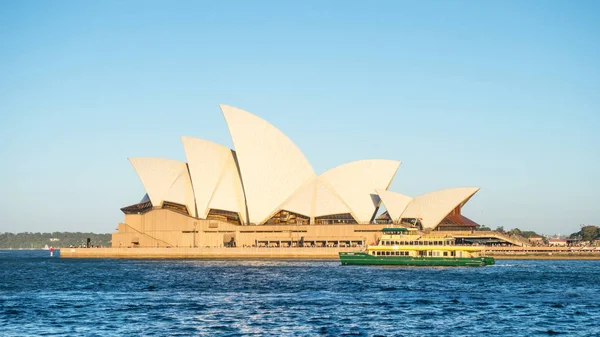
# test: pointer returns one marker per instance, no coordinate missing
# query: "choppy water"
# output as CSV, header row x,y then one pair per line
x,y
49,296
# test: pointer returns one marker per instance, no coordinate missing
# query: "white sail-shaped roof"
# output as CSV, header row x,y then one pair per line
x,y
229,195
165,180
215,177
271,166
356,184
303,200
315,199
433,207
327,202
395,203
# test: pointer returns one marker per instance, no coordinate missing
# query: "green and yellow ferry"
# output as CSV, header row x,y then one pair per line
x,y
406,247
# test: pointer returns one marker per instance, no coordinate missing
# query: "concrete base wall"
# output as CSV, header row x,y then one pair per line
x,y
204,253
285,253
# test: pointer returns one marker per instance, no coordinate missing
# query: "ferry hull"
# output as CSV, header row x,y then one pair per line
x,y
360,258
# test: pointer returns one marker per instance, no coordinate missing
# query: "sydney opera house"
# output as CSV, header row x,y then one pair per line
x,y
264,192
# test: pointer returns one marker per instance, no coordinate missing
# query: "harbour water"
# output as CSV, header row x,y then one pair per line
x,y
41,296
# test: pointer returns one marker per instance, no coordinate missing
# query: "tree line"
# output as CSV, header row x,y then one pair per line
x,y
28,240
587,233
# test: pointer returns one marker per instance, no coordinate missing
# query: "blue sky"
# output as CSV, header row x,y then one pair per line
x,y
504,95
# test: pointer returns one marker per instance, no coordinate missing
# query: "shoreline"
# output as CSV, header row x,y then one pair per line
x,y
278,254
546,257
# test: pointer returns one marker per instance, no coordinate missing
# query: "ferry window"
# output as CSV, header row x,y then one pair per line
x,y
451,253
445,253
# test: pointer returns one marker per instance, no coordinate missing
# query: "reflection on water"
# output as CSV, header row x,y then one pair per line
x,y
49,296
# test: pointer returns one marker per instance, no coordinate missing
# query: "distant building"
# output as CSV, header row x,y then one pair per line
x,y
557,242
536,239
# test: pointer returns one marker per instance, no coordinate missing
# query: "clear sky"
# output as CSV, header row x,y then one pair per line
x,y
503,95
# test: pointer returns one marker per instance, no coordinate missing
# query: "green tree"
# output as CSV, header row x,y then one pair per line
x,y
589,233
500,229
515,231
528,234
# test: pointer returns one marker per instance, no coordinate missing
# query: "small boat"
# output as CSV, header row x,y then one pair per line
x,y
402,246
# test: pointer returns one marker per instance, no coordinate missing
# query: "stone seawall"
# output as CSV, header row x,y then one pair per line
x,y
204,253
330,253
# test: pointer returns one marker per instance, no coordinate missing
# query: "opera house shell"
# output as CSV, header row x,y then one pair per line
x,y
265,192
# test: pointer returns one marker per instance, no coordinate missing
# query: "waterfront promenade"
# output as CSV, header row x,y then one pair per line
x,y
538,253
